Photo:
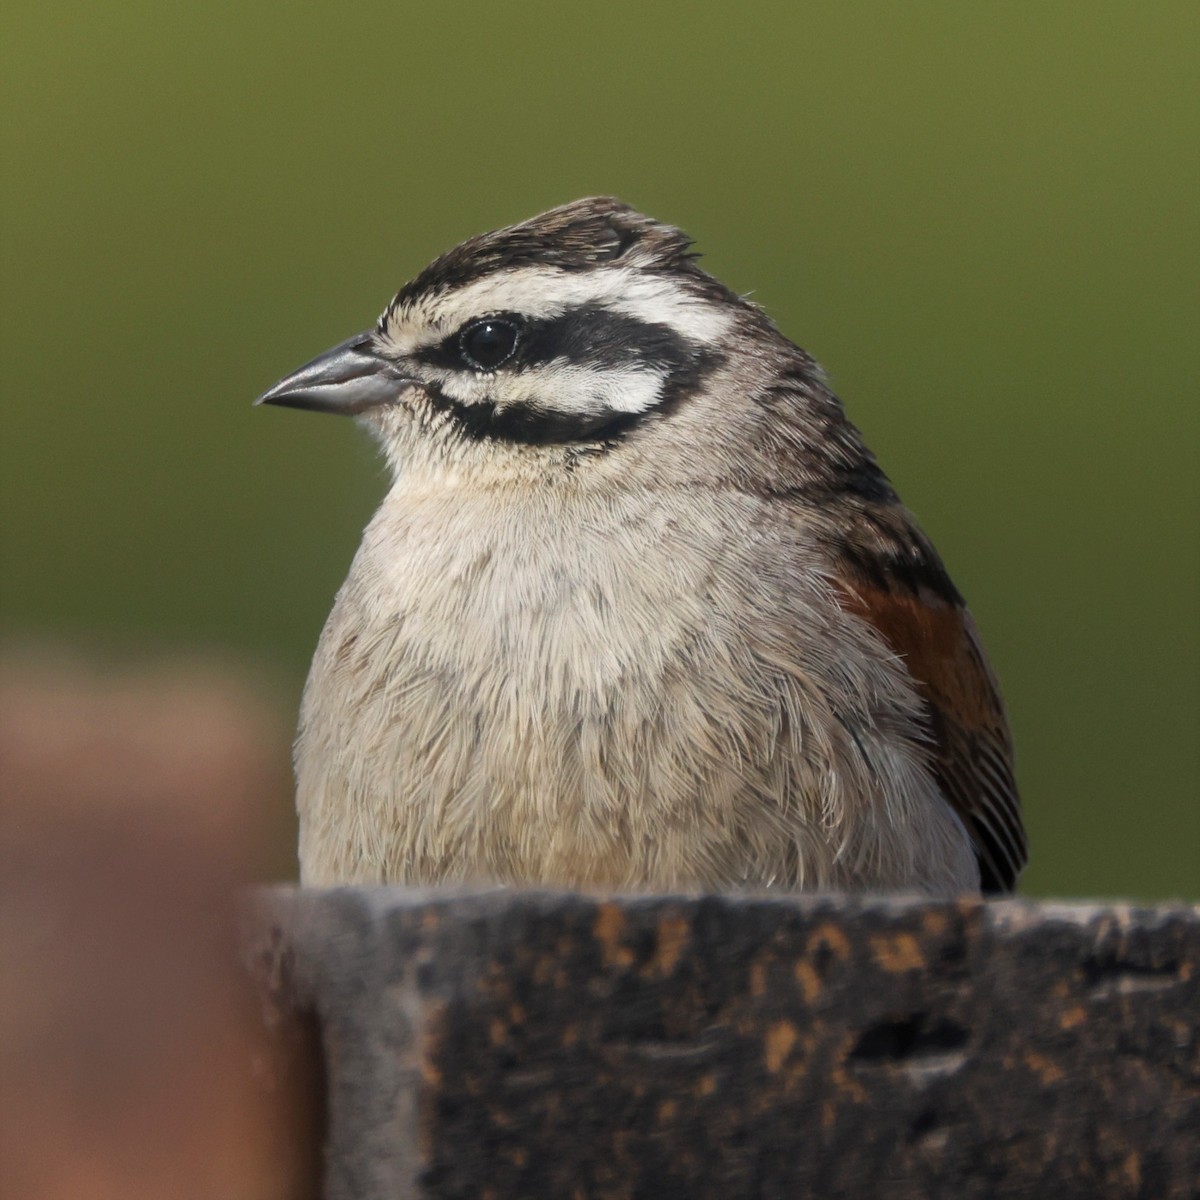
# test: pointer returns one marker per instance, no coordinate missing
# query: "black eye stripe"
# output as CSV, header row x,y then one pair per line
x,y
452,352
592,335
589,335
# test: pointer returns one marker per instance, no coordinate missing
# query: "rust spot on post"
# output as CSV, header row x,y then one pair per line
x,y
899,952
808,979
609,926
781,1037
1047,1071
833,938
1073,1017
673,933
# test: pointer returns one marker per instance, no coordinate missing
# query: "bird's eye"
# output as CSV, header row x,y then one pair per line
x,y
489,343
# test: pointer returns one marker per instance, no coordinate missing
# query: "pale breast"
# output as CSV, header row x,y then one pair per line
x,y
578,690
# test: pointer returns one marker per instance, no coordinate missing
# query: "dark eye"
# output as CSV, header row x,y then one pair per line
x,y
489,343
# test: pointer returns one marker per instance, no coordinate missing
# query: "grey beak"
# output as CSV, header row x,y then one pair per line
x,y
350,378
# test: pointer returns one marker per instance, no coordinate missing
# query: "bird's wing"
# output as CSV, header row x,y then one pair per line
x,y
892,578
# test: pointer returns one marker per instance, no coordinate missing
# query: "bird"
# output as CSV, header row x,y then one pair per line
x,y
639,610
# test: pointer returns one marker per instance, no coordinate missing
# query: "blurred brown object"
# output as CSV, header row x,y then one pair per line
x,y
133,1064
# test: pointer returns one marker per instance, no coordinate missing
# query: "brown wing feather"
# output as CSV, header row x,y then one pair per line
x,y
973,757
890,576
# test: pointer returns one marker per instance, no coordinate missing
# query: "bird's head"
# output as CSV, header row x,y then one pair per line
x,y
567,332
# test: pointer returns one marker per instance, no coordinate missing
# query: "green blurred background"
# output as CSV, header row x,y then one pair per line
x,y
982,218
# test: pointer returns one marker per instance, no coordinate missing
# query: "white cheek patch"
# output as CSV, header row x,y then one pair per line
x,y
567,387
540,292
561,387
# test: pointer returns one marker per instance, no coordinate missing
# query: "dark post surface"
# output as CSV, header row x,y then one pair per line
x,y
525,1045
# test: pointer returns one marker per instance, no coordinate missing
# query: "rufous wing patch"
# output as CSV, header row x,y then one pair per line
x,y
973,756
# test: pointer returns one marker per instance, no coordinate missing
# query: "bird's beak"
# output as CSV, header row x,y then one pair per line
x,y
350,379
